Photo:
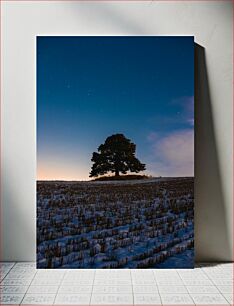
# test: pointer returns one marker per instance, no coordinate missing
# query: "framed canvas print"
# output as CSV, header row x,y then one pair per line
x,y
115,152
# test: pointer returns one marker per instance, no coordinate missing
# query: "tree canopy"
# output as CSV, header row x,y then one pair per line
x,y
116,155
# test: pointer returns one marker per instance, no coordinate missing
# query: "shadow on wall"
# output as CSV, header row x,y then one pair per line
x,y
211,232
110,16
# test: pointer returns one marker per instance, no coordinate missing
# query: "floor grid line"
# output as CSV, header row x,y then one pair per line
x,y
207,284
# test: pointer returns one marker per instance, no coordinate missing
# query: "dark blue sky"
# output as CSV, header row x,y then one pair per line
x,y
91,87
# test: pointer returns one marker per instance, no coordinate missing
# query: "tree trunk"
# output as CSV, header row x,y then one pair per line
x,y
116,172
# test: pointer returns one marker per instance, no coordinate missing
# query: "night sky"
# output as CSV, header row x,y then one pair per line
x,y
89,88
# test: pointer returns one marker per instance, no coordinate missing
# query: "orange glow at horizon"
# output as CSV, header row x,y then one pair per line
x,y
58,171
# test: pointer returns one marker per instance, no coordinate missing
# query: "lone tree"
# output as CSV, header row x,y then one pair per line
x,y
116,155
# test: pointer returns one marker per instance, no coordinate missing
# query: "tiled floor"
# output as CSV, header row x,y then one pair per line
x,y
207,284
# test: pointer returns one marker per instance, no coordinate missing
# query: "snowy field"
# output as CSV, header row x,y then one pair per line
x,y
118,224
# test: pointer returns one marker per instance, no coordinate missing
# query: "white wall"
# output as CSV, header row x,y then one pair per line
x,y
210,22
